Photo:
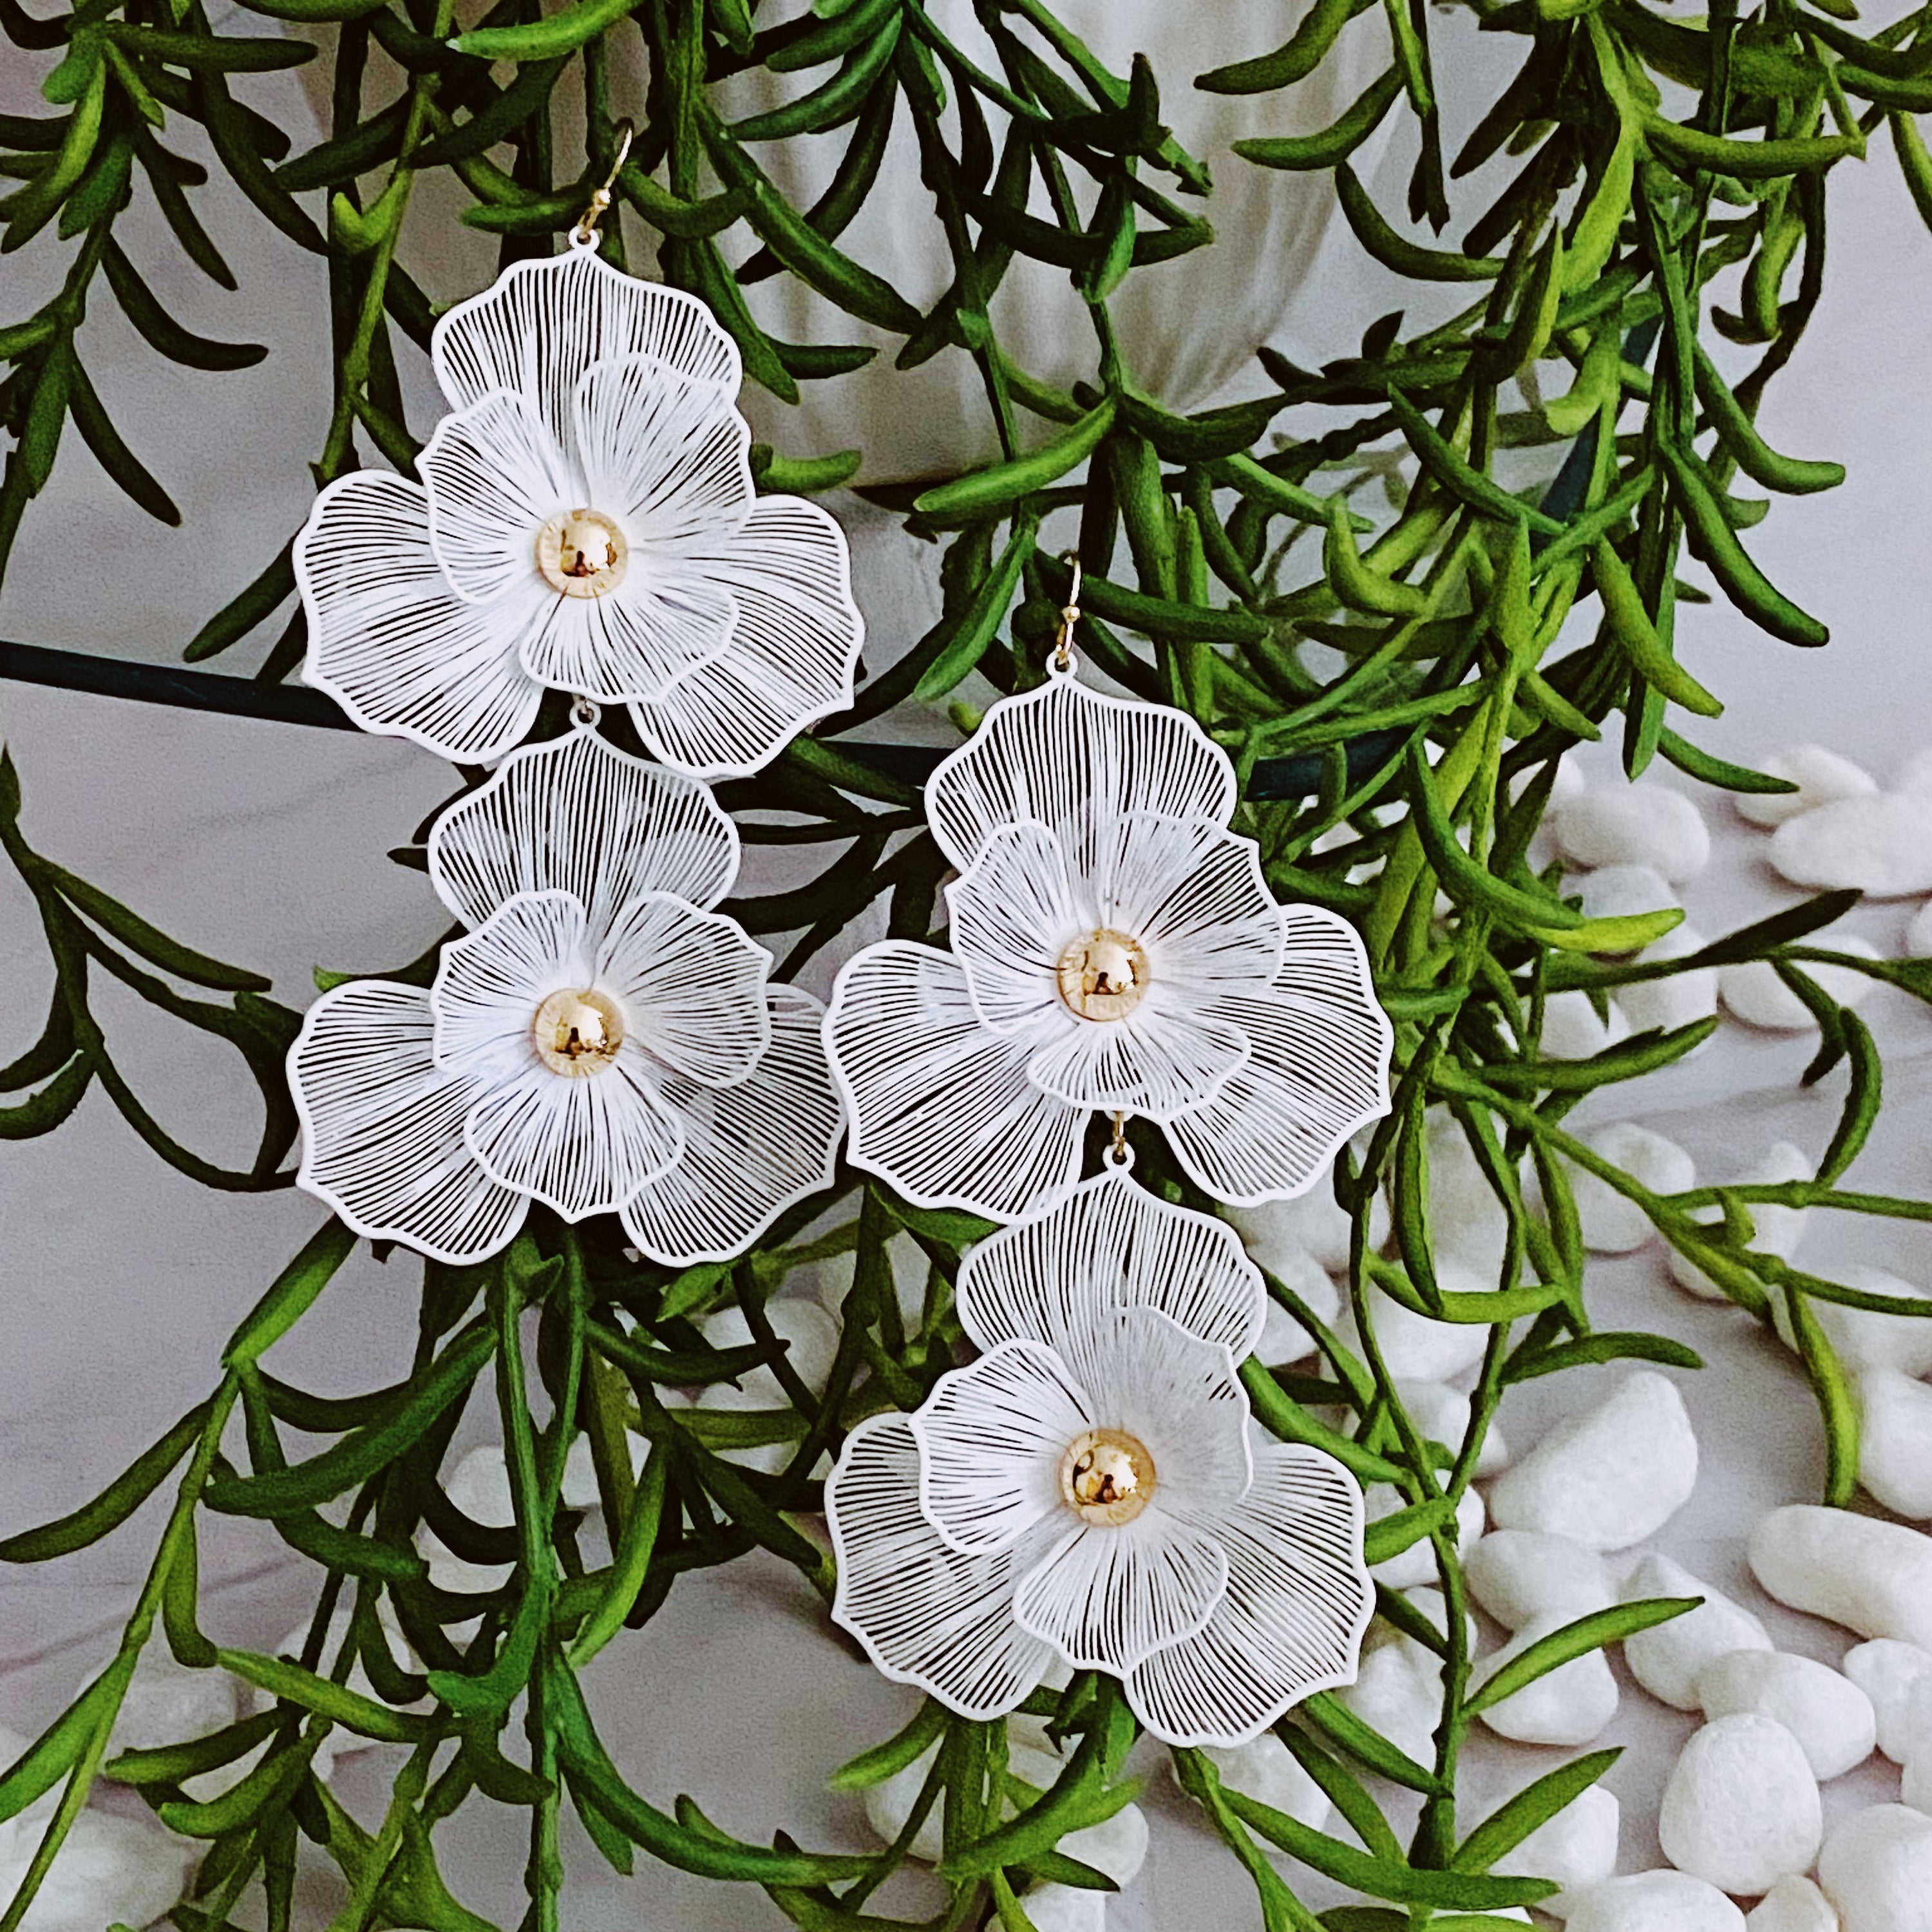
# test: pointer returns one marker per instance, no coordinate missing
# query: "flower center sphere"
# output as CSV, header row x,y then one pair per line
x,y
582,553
1106,1477
1103,975
578,1033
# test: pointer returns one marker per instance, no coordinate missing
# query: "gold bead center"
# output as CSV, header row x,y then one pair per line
x,y
1103,975
578,1033
582,553
1106,1477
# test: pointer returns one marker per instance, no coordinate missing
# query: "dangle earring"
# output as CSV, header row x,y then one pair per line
x,y
1115,948
585,521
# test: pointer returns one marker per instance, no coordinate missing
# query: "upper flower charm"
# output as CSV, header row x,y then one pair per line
x,y
1092,1490
599,1040
586,521
1115,948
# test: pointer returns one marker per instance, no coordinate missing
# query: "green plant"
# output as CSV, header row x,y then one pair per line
x,y
1423,767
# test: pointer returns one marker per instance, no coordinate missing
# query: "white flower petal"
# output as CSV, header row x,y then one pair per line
x,y
663,452
940,1107
750,1150
1297,1602
992,1439
390,641
1144,1373
490,983
543,323
494,476
792,656
1010,917
1319,1069
582,1146
1162,1059
1108,1598
578,815
692,986
382,1127
1111,1244
926,1614
1192,894
1075,760
639,641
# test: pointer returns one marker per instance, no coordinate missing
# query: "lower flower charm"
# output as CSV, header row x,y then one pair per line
x,y
599,1040
1093,1490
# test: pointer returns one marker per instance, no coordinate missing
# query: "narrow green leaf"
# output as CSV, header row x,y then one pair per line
x,y
1574,1640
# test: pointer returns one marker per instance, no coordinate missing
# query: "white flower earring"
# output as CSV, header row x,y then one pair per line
x,y
1115,949
1093,1490
599,1040
586,522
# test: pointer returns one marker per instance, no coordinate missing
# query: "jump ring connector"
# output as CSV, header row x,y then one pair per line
x,y
1063,663
1117,1154
586,712
584,235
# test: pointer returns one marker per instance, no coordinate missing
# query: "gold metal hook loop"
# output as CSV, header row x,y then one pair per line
x,y
585,233
1063,658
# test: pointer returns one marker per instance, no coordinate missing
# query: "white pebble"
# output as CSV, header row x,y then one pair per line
x,y
1441,1414
1741,1810
889,1805
1882,844
1821,776
1518,1575
1874,1577
1117,1846
1415,1348
1677,999
110,1870
1668,1658
1398,1691
1915,1780
1636,825
1793,1904
1889,1673
1267,1771
479,1486
1617,891
1417,1564
1895,1441
1568,1705
1918,933
812,1336
457,1574
1572,1029
1832,1718
1283,1338
166,1702
1065,1908
1469,1226
1868,1338
1311,1224
1612,1223
1877,1869
1776,1230
1608,1477
1577,1848
1752,992
1655,1901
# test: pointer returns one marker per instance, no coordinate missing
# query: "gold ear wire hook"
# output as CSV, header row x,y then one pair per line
x,y
1070,615
585,230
